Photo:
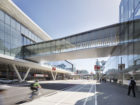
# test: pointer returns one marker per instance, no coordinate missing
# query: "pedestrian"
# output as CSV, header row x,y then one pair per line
x,y
131,87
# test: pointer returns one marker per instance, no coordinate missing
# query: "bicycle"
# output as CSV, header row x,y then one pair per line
x,y
33,94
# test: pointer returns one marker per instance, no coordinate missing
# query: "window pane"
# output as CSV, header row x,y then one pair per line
x,y
1,46
17,26
1,26
29,35
1,15
13,23
24,41
7,19
26,32
22,29
7,29
7,48
2,35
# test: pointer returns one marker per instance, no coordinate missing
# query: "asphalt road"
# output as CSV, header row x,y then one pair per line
x,y
114,94
88,92
75,92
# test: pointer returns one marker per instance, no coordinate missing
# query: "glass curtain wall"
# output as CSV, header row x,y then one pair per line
x,y
62,65
14,35
129,53
106,36
129,10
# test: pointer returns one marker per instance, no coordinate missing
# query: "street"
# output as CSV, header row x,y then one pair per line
x,y
88,92
73,92
77,95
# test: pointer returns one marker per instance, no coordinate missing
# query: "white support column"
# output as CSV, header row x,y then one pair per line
x,y
26,74
52,75
19,77
64,76
55,75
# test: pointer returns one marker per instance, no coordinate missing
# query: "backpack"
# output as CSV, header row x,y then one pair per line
x,y
133,83
32,86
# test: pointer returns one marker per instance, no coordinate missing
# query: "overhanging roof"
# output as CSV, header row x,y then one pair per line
x,y
10,8
19,62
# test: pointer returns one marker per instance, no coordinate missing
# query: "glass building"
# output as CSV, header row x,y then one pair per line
x,y
127,61
13,35
16,31
21,38
129,10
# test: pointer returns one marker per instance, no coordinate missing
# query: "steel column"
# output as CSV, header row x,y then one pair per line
x,y
19,77
26,74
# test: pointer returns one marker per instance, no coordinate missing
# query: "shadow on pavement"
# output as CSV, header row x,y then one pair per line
x,y
48,88
20,94
111,94
90,101
61,86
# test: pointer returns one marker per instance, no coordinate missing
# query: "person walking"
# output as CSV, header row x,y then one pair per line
x,y
131,86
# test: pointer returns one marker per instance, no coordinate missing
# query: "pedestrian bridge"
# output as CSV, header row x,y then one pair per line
x,y
91,44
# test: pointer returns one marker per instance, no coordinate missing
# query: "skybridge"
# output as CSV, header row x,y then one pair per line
x,y
91,44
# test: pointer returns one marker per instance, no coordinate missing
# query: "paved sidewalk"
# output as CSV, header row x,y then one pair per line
x,y
19,93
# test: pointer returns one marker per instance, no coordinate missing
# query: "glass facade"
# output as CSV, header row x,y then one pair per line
x,y
62,64
13,35
126,63
106,36
124,36
129,10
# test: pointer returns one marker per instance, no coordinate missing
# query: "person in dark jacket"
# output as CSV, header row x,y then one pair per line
x,y
132,85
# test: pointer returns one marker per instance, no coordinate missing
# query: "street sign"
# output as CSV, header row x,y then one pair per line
x,y
53,68
96,67
121,66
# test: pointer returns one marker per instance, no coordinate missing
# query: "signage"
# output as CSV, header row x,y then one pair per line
x,y
121,66
96,67
53,68
40,75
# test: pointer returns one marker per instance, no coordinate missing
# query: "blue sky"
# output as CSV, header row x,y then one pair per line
x,y
61,18
66,17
